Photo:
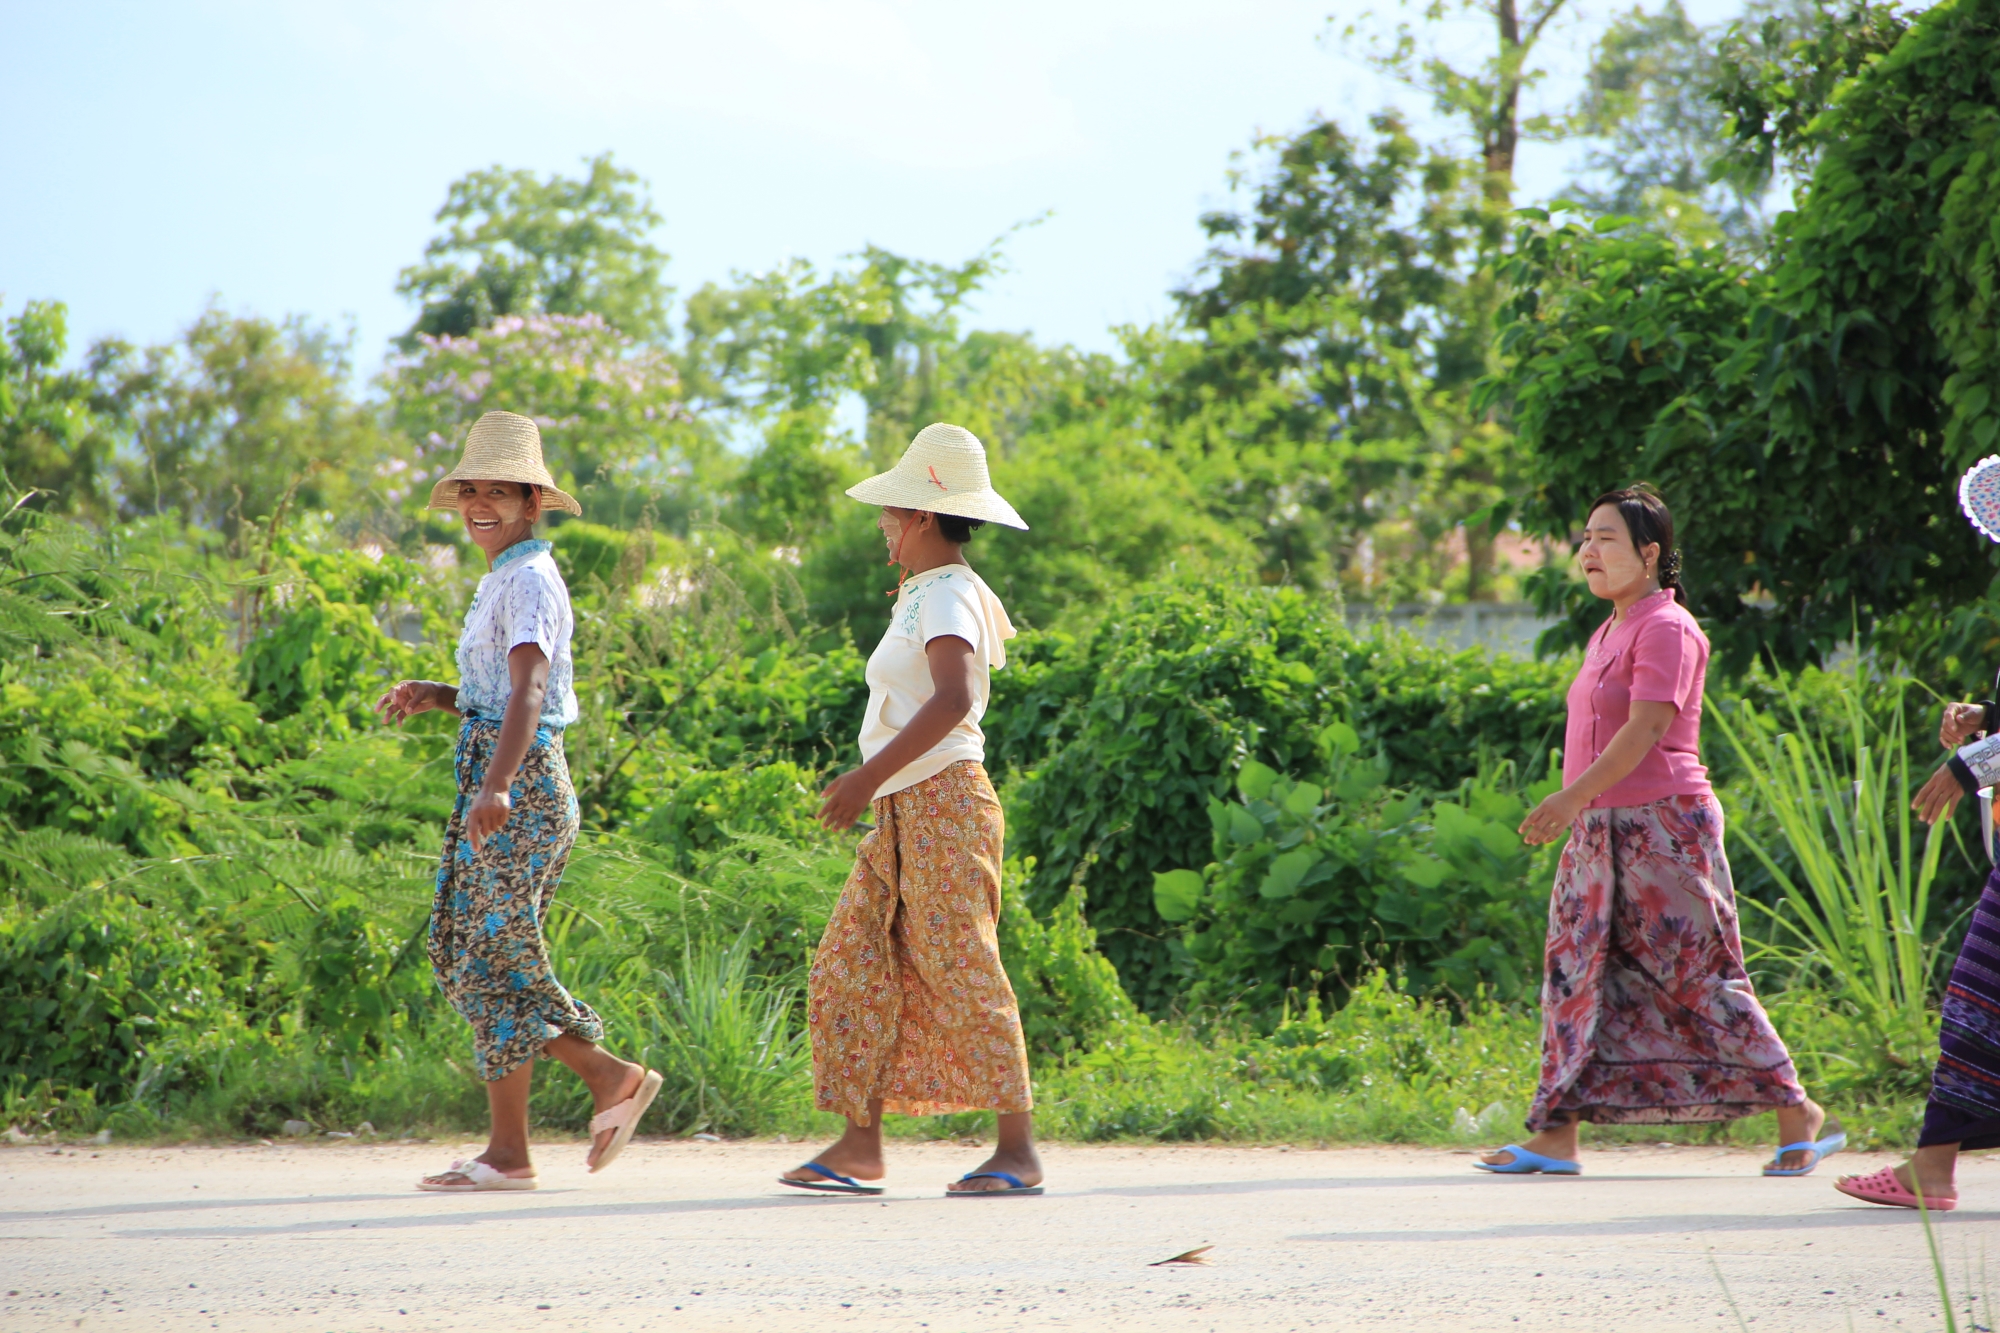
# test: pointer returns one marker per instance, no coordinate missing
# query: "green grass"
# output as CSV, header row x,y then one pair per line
x,y
1386,1068
1853,917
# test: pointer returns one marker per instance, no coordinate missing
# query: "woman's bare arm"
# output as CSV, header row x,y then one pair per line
x,y
1642,731
528,674
407,698
952,672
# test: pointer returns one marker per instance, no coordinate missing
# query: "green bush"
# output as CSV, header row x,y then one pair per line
x,y
591,555
1114,744
85,744
1317,883
729,1045
1385,1067
224,898
91,984
706,807
1068,992
322,649
359,975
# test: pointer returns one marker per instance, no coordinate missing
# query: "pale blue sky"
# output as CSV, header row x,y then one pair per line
x,y
286,157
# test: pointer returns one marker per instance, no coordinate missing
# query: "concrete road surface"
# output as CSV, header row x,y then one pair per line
x,y
699,1236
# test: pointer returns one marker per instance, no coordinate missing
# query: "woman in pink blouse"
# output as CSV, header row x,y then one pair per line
x,y
1648,1016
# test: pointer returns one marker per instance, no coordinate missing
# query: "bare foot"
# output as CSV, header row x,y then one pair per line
x,y
1022,1164
853,1155
620,1082
1559,1143
1799,1124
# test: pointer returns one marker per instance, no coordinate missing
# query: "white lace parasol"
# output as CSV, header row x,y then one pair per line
x,y
1979,496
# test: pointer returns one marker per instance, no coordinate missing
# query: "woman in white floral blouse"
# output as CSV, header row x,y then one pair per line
x,y
515,821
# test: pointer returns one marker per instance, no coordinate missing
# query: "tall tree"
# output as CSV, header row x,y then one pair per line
x,y
1649,100
1809,416
54,433
517,244
610,409
1486,97
1338,324
1776,70
1697,124
793,341
240,419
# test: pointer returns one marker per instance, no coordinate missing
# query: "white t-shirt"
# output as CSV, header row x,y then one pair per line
x,y
948,600
522,600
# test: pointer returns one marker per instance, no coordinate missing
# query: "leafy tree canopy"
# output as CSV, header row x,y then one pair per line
x,y
796,341
1337,326
53,435
1486,97
610,409
517,244
1809,418
238,419
1650,101
1776,70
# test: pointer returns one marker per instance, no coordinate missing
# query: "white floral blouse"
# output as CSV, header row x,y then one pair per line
x,y
521,600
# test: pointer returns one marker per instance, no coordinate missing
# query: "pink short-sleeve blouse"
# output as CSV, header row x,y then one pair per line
x,y
1656,653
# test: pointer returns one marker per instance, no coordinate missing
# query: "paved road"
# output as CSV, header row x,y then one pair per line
x,y
698,1236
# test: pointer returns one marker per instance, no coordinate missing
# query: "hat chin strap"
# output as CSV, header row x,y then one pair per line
x,y
896,558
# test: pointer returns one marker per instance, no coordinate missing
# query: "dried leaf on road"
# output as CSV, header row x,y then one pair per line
x,y
1192,1256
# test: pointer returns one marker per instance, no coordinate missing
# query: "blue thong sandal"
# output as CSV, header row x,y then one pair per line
x,y
1527,1163
835,1183
1817,1153
1014,1186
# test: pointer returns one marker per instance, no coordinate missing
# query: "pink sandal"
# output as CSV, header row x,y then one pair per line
x,y
1883,1187
624,1118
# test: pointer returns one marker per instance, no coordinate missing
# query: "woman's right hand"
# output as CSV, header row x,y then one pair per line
x,y
845,799
1960,721
1551,819
488,814
407,698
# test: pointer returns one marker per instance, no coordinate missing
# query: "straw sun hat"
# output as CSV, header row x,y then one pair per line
x,y
943,471
503,447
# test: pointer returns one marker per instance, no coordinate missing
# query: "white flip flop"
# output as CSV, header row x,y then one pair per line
x,y
479,1178
624,1118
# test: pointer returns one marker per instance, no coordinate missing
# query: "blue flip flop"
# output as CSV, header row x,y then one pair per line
x,y
1527,1163
1013,1182
1820,1151
835,1183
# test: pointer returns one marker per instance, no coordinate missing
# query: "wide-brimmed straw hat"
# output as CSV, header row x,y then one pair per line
x,y
503,446
944,471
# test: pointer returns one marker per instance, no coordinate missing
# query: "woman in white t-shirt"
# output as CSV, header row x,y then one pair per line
x,y
909,1007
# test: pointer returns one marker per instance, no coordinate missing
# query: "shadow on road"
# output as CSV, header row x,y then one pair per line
x,y
1658,1226
458,1218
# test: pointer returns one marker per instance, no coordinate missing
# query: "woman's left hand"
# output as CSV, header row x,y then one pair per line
x,y
844,799
488,813
1938,797
1551,819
